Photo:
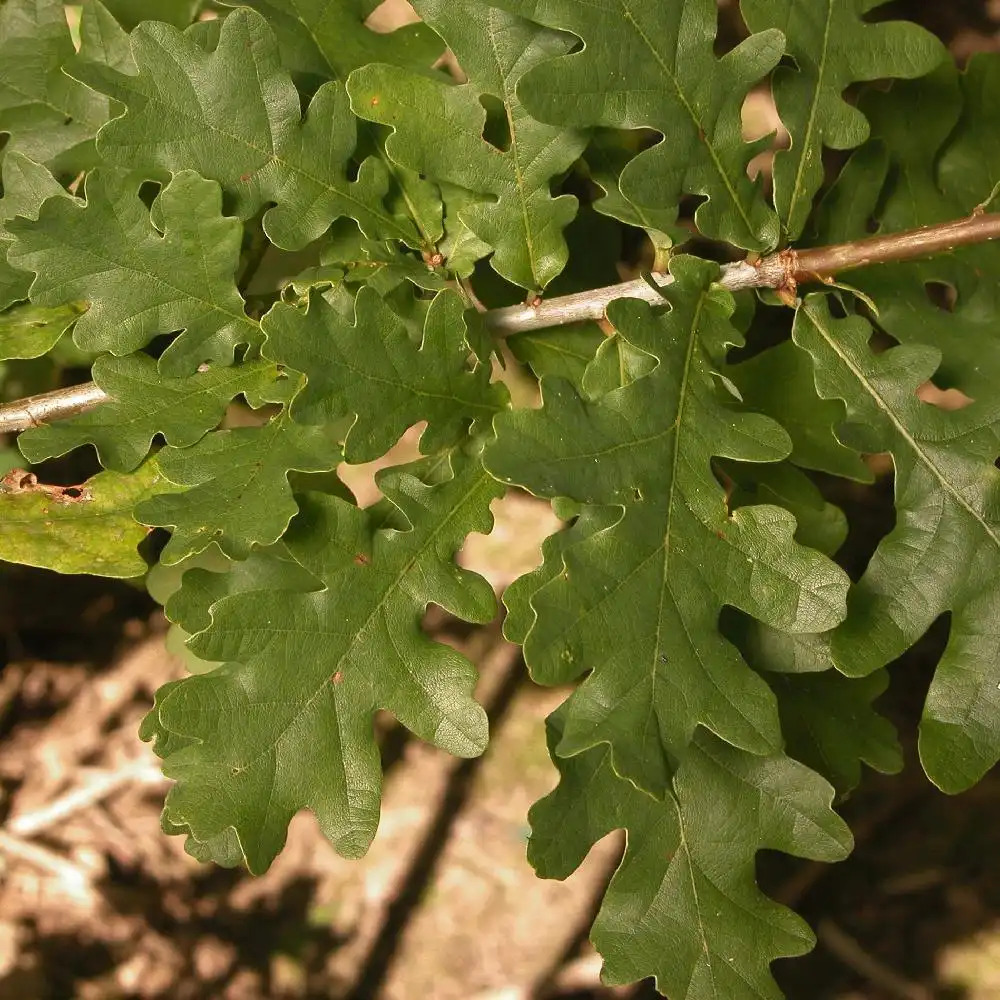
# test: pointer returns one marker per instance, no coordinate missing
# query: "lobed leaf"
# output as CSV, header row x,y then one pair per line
x,y
936,137
85,529
286,723
49,117
143,403
234,488
636,604
372,370
329,38
683,905
26,185
142,274
438,131
652,65
28,331
830,725
833,47
942,555
262,149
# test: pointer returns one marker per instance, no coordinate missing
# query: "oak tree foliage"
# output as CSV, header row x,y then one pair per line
x,y
267,228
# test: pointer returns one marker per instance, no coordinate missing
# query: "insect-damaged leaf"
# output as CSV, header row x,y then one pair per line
x,y
85,529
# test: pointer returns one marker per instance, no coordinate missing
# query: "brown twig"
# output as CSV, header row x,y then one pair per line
x,y
98,787
839,943
783,271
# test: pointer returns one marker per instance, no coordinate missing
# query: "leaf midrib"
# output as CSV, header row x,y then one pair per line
x,y
682,98
902,430
811,121
378,606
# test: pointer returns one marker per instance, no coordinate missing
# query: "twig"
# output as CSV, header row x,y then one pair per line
x,y
783,271
99,787
57,405
845,948
73,879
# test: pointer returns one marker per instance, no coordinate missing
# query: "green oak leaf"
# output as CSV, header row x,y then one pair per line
x,y
271,568
329,38
683,905
606,157
564,352
348,256
939,139
26,185
104,40
830,725
819,524
235,489
143,403
371,368
652,65
141,280
48,116
810,422
311,669
89,529
943,553
636,605
583,520
29,331
262,149
832,46
438,132
129,13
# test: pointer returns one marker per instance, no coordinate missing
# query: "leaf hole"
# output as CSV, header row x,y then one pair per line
x,y
637,494
942,295
148,191
496,129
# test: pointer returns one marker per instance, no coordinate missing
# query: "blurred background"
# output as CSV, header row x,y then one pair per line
x,y
97,904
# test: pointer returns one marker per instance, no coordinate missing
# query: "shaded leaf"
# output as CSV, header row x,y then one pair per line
x,y
810,422
129,13
48,116
329,38
637,603
830,725
938,135
683,905
438,132
833,47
